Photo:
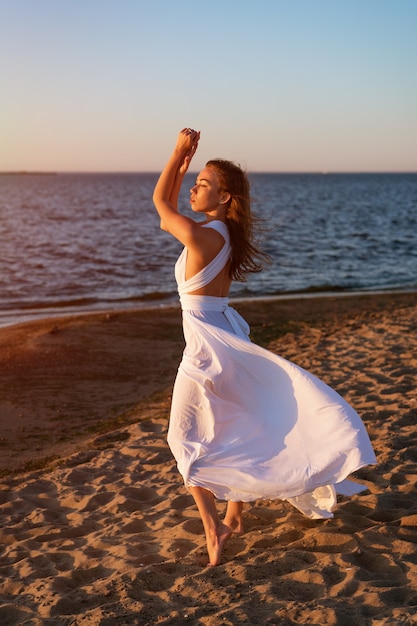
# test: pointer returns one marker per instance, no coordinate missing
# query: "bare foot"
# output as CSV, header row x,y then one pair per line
x,y
236,524
215,542
234,516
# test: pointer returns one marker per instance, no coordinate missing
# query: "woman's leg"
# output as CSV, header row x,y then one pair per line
x,y
217,533
233,517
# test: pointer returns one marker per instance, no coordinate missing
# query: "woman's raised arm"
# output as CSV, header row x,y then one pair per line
x,y
165,196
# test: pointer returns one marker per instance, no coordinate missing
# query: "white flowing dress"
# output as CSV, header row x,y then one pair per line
x,y
247,424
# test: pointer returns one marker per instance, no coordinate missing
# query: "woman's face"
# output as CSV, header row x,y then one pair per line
x,y
206,196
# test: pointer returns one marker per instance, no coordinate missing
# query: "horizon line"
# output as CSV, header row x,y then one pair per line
x,y
104,172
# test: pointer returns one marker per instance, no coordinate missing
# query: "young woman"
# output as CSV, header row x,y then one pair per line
x,y
245,424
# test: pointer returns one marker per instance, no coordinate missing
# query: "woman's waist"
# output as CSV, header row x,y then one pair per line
x,y
205,308
191,302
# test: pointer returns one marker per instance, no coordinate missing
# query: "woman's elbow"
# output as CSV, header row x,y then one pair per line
x,y
162,226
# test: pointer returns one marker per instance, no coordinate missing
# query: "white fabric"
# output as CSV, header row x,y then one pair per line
x,y
247,424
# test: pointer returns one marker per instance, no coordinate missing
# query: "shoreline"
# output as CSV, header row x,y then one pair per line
x,y
45,313
96,526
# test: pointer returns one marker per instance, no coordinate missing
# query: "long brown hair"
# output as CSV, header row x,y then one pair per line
x,y
246,257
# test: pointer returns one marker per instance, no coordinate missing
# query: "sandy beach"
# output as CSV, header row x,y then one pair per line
x,y
97,528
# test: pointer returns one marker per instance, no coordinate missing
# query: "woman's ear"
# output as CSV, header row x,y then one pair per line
x,y
225,198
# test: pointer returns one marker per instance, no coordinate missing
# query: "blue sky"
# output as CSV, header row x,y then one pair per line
x,y
277,85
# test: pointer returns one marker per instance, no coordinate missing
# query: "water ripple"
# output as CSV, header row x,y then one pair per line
x,y
96,238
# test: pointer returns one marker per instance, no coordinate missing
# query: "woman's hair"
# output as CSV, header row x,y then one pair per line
x,y
246,256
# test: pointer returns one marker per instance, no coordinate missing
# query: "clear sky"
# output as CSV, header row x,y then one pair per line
x,y
277,85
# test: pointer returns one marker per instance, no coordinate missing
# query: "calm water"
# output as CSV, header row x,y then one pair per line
x,y
71,242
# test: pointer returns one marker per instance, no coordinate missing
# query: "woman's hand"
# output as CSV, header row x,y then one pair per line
x,y
187,139
187,144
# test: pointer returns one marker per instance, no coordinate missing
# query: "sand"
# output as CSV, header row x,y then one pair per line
x,y
97,528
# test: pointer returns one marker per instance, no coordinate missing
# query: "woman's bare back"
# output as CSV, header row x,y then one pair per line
x,y
198,259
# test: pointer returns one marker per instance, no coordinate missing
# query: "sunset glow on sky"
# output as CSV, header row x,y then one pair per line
x,y
277,85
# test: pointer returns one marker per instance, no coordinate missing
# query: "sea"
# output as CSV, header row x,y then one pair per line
x,y
73,243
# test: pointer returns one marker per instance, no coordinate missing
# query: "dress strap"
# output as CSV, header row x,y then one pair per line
x,y
210,271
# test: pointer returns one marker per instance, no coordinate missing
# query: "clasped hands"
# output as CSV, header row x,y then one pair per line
x,y
187,143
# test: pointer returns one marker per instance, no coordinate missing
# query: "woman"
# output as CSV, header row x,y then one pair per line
x,y
245,424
